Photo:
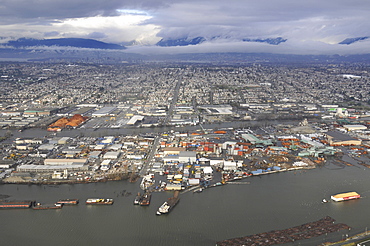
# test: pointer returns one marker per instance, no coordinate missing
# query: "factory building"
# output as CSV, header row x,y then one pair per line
x,y
336,138
55,162
354,127
106,111
135,119
51,168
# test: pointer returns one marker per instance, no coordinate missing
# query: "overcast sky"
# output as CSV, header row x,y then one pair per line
x,y
310,26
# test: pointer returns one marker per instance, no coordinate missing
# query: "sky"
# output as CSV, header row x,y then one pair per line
x,y
310,26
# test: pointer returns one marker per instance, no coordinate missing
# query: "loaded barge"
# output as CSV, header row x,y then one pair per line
x,y
15,204
345,196
100,201
68,201
169,204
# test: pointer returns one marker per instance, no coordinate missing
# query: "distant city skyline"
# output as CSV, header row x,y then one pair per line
x,y
310,27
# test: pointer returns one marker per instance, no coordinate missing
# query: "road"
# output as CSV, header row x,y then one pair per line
x,y
148,163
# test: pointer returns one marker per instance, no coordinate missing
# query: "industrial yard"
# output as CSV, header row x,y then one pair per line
x,y
171,125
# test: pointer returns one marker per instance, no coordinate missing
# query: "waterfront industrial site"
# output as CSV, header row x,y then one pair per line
x,y
177,133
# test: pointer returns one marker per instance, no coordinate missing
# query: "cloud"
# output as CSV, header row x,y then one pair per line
x,y
315,19
313,25
96,35
111,29
290,47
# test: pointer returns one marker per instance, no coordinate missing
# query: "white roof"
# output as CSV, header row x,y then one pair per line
x,y
207,170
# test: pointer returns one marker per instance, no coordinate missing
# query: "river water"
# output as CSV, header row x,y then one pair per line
x,y
269,202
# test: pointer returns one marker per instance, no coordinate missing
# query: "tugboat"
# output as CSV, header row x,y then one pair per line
x,y
169,204
138,199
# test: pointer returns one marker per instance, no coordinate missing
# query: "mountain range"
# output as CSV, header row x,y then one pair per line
x,y
89,50
185,41
62,42
165,42
352,40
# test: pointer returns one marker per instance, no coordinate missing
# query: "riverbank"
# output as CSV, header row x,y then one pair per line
x,y
355,240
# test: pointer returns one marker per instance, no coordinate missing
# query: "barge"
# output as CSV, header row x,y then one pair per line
x,y
39,206
99,201
145,201
15,204
345,196
68,201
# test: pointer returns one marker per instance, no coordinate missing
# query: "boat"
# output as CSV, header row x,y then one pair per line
x,y
100,201
68,201
324,200
38,206
15,204
145,201
345,196
167,206
138,199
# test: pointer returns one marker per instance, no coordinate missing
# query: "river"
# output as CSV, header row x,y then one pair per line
x,y
269,202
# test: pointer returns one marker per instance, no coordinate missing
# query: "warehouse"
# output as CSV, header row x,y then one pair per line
x,y
336,138
55,162
51,168
106,111
135,119
95,154
63,140
173,150
354,127
217,109
4,164
187,157
111,155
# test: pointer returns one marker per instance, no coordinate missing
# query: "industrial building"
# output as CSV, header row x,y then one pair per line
x,y
51,168
106,111
336,138
135,119
56,162
111,155
354,127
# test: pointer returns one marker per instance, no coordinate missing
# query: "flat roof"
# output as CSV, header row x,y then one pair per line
x,y
340,136
104,111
